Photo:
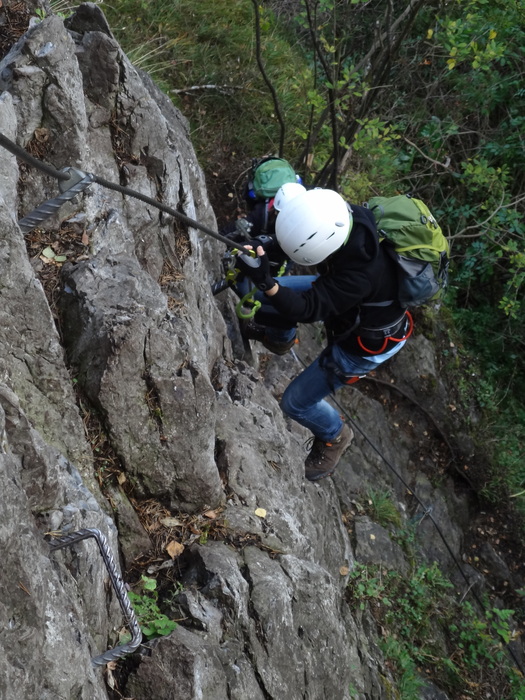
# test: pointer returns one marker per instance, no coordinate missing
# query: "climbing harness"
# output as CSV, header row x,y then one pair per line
x,y
385,333
328,364
118,585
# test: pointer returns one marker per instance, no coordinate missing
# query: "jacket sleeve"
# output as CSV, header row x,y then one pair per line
x,y
330,295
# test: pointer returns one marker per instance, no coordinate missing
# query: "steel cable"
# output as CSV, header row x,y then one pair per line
x,y
63,176
21,153
427,510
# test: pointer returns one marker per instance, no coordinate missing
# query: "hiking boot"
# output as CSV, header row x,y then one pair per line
x,y
324,456
253,331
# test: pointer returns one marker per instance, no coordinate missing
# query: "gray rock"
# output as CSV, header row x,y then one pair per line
x,y
191,416
196,675
133,538
375,546
431,692
53,607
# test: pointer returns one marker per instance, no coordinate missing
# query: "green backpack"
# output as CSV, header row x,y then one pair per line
x,y
416,242
267,176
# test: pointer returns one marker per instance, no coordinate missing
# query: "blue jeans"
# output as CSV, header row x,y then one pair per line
x,y
303,399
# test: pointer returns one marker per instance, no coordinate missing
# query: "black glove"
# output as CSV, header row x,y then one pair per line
x,y
257,269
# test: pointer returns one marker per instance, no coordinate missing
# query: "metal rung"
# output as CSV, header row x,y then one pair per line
x,y
118,585
77,183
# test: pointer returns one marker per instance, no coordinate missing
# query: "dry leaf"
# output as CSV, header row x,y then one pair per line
x,y
41,133
344,570
85,239
260,513
110,679
170,522
211,514
174,549
121,478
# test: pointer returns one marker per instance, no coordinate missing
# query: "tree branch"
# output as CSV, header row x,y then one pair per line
x,y
225,89
445,165
265,77
483,223
332,93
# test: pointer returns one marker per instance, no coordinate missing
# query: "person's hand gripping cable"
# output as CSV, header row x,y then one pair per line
x,y
257,268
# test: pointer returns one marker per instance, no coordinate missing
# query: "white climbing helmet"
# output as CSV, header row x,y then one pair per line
x,y
286,193
313,225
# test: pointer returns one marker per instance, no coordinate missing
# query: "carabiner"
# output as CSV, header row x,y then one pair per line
x,y
248,299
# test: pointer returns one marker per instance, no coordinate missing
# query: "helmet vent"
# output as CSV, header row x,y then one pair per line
x,y
340,223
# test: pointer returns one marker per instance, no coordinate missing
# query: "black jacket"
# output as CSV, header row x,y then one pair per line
x,y
357,274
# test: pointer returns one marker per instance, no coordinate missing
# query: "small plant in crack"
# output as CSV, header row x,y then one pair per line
x,y
152,621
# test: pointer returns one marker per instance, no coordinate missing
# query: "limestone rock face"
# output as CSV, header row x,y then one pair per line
x,y
54,610
121,349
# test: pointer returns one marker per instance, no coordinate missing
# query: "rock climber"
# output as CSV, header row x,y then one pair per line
x,y
257,227
353,291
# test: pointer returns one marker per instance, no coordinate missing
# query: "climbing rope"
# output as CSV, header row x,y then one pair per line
x,y
118,585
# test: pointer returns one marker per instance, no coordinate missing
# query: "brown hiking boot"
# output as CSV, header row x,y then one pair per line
x,y
324,456
253,331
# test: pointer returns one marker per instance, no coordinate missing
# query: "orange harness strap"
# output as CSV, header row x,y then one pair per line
x,y
353,380
396,340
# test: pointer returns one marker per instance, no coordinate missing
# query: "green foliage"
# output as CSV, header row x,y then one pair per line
x,y
423,623
484,43
484,384
208,67
409,682
382,509
61,8
153,622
